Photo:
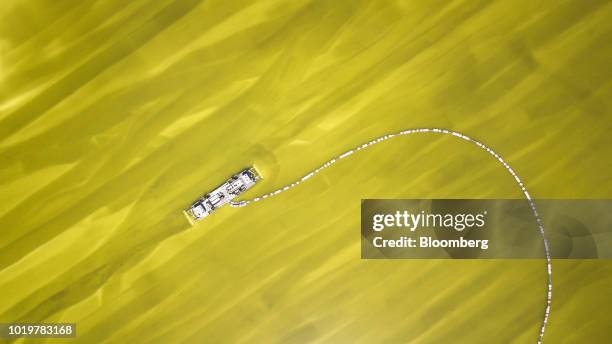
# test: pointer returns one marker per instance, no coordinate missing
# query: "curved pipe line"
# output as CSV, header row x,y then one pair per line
x,y
442,132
